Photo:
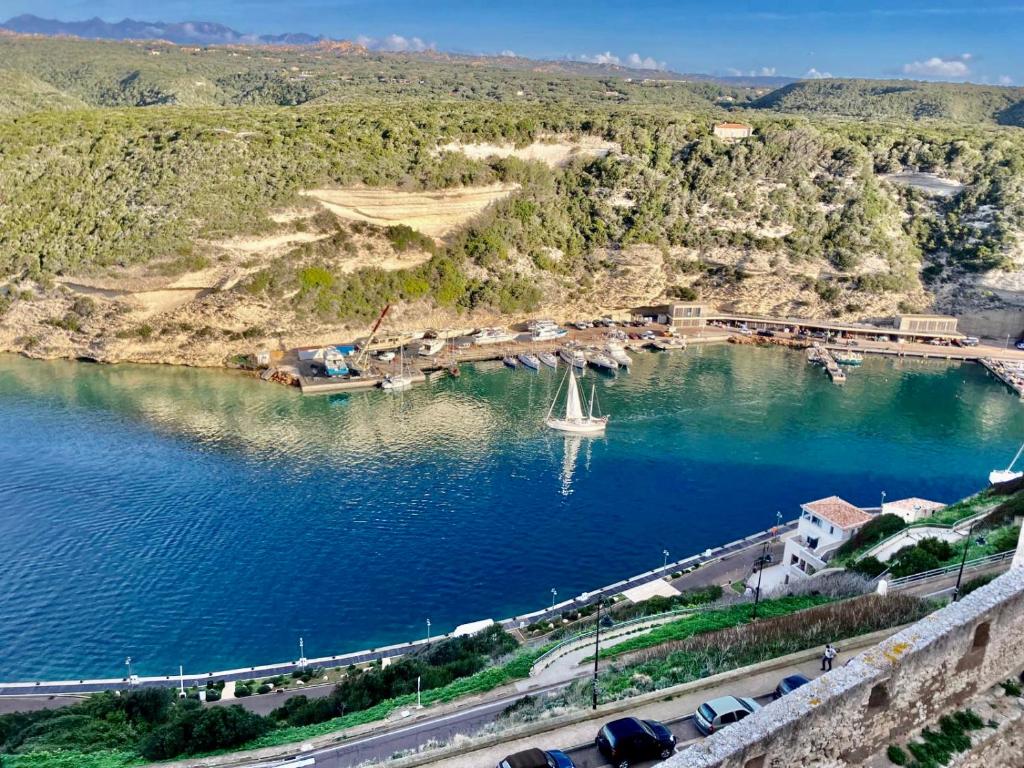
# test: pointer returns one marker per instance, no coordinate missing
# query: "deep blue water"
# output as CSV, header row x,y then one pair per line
x,y
204,518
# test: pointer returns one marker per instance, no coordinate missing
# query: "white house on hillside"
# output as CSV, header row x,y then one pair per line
x,y
823,527
912,509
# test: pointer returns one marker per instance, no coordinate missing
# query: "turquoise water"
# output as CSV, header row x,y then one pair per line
x,y
208,519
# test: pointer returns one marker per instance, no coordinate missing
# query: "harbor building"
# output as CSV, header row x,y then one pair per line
x,y
688,314
824,526
932,325
912,509
733,131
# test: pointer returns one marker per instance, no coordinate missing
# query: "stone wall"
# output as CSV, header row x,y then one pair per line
x,y
883,694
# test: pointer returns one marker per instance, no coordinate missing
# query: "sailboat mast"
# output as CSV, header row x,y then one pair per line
x,y
590,413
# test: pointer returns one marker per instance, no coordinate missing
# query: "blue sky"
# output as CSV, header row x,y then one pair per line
x,y
980,41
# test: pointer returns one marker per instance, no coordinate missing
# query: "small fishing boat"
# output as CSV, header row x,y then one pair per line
x,y
510,361
548,359
602,362
386,357
529,360
579,415
1008,474
848,358
334,364
573,356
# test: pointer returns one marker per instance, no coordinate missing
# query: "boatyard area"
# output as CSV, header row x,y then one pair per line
x,y
397,360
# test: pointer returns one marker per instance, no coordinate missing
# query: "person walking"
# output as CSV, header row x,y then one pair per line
x,y
826,659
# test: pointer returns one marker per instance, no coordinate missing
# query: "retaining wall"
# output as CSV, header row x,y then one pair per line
x,y
883,694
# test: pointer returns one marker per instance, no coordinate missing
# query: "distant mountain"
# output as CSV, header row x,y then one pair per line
x,y
184,33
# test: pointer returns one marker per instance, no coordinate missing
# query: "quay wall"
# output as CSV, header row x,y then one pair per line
x,y
884,694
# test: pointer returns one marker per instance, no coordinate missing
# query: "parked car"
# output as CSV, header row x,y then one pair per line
x,y
1019,344
788,685
631,740
716,714
969,341
766,332
538,758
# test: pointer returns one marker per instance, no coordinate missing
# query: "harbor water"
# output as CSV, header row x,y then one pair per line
x,y
207,519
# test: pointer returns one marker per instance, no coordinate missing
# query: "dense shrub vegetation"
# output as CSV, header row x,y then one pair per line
x,y
91,190
155,724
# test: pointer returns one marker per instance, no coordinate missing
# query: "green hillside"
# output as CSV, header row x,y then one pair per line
x,y
20,92
899,100
130,74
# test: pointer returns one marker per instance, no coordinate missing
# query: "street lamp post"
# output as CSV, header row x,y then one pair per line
x,y
778,522
883,502
128,663
302,654
664,565
597,648
554,594
963,561
757,592
428,631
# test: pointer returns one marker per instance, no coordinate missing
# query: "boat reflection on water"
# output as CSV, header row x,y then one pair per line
x,y
572,445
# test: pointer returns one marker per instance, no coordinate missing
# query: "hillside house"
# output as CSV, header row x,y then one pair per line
x,y
912,509
733,131
824,526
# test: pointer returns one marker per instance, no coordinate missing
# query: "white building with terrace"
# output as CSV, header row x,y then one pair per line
x,y
824,526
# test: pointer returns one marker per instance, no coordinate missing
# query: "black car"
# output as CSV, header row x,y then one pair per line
x,y
766,332
538,758
631,740
788,685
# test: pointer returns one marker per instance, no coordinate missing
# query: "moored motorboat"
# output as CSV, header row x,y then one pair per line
x,y
617,353
573,356
602,361
548,359
510,361
529,360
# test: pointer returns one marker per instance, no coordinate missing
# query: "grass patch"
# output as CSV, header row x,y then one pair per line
x,y
712,651
710,621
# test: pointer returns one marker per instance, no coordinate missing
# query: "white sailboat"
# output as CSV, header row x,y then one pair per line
x,y
574,420
400,380
1005,475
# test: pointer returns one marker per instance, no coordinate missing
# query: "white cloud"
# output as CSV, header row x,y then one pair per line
x,y
634,60
760,72
395,44
601,58
814,74
643,62
955,67
1005,80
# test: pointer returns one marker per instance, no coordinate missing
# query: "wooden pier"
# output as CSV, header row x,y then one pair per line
x,y
819,355
1010,373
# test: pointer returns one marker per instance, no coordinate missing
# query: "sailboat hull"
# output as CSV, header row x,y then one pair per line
x,y
1003,476
591,426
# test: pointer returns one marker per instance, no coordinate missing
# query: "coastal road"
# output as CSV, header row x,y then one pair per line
x,y
382,746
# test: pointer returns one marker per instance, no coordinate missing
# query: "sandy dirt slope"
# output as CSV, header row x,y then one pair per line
x,y
554,153
434,213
